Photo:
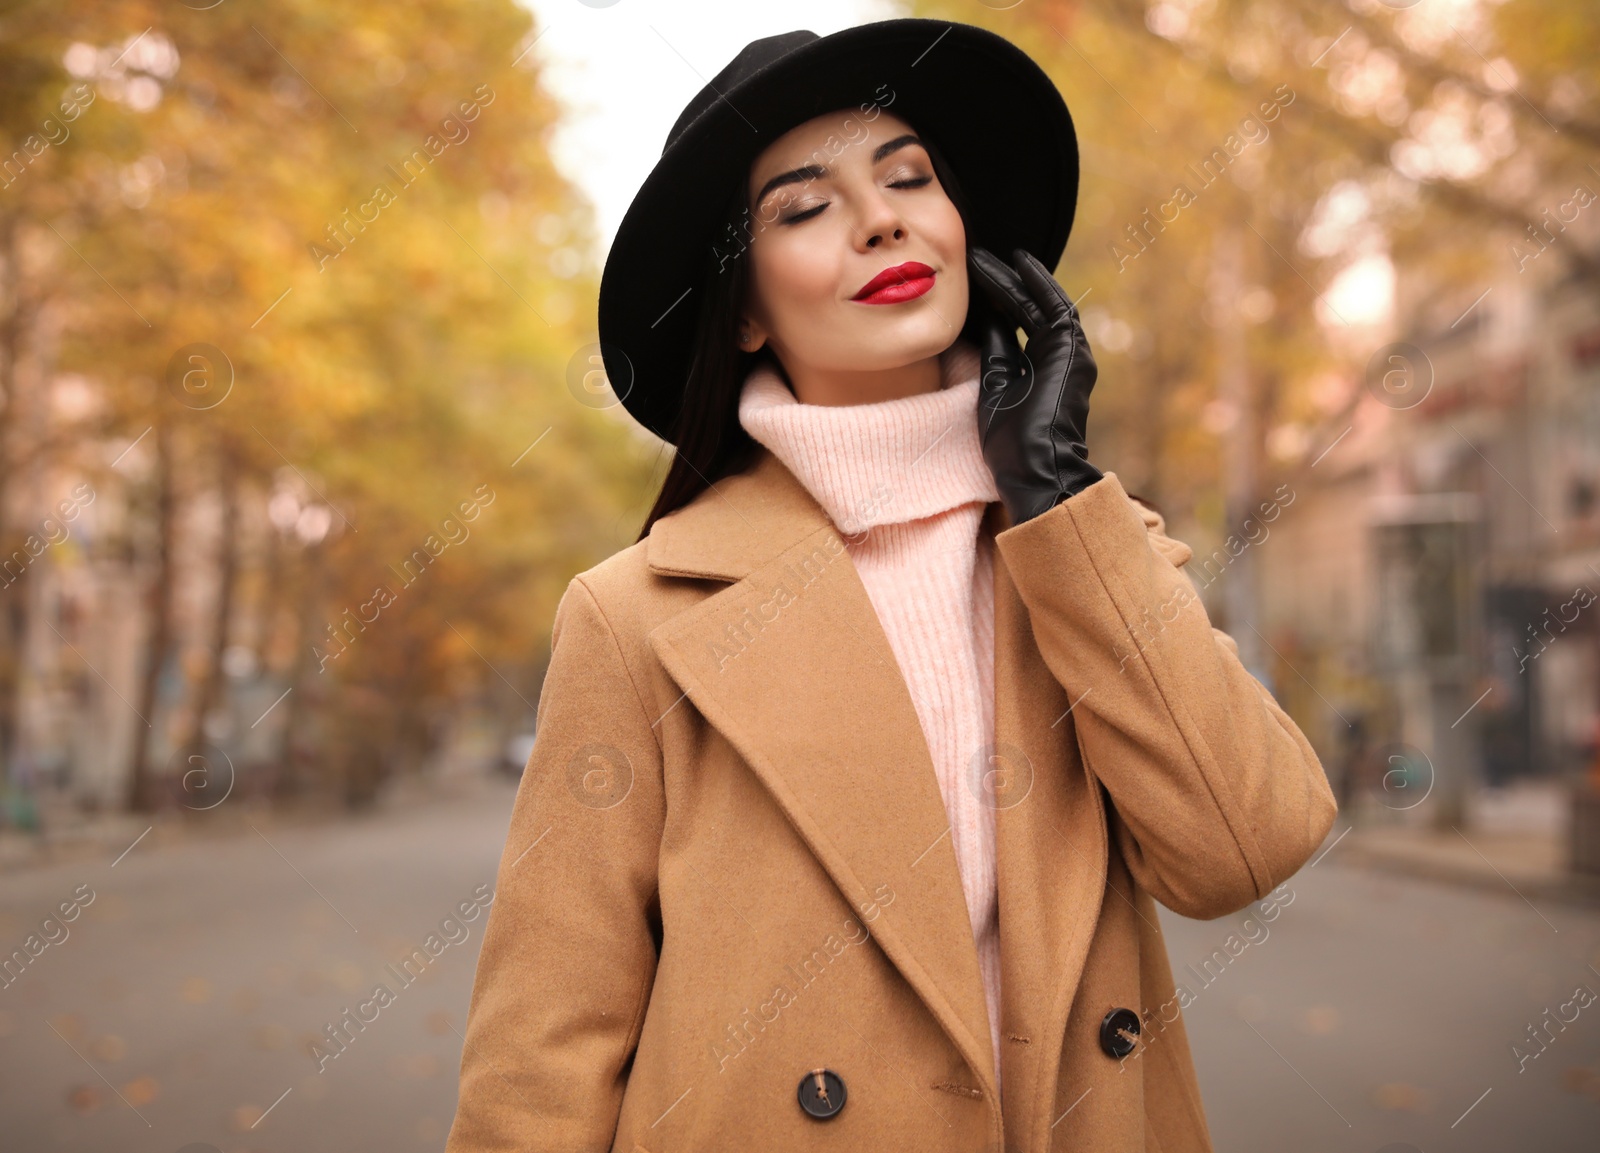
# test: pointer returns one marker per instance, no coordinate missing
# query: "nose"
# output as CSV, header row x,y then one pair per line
x,y
879,220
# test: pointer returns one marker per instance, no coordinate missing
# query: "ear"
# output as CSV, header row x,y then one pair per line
x,y
751,335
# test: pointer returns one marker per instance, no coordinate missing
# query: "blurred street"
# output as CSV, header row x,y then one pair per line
x,y
305,429
194,981
1368,1010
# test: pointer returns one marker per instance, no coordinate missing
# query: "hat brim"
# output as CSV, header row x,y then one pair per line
x,y
993,113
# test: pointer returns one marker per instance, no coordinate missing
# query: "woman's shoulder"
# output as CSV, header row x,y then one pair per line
x,y
627,590
634,597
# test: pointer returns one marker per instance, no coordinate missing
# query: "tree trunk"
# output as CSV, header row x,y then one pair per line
x,y
14,611
306,694
143,792
204,782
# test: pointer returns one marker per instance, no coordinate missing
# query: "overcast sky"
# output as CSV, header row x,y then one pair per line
x,y
626,68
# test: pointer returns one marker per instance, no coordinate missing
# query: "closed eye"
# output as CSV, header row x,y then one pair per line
x,y
915,182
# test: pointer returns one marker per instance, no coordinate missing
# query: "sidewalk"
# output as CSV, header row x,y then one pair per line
x,y
1514,840
72,836
1531,864
1510,854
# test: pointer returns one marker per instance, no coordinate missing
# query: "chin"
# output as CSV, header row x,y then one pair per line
x,y
887,342
928,337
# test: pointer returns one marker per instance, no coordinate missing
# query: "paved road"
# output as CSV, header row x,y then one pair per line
x,y
193,981
1366,1012
1374,1013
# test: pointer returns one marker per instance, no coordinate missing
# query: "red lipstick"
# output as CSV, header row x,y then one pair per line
x,y
902,282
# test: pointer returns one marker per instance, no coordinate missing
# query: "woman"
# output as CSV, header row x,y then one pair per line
x,y
857,775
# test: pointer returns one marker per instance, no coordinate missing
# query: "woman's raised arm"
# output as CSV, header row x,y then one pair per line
x,y
1221,795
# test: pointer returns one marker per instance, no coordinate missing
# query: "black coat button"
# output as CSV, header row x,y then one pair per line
x,y
821,1093
1118,1032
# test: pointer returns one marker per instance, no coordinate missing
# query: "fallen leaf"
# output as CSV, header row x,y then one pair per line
x,y
141,1090
347,977
1581,1079
271,1037
416,1065
85,1098
109,1047
1320,1020
1399,1096
69,1025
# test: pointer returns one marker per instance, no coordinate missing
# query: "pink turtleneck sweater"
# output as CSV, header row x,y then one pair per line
x,y
906,484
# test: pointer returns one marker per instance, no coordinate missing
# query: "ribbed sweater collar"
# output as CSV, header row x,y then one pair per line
x,y
882,463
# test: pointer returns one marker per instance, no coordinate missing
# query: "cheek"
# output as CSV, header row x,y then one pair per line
x,y
957,287
794,275
951,228
941,225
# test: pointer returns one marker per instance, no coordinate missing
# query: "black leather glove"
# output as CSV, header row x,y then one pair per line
x,y
1032,407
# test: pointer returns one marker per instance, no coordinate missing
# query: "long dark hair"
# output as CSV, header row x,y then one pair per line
x,y
711,443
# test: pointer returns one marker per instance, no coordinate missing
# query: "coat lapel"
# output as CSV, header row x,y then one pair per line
x,y
790,663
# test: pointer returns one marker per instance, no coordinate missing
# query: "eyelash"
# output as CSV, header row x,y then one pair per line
x,y
915,182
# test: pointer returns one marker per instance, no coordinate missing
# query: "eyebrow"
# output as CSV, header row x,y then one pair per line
x,y
811,172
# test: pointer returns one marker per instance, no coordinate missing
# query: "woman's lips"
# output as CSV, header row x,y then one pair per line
x,y
891,286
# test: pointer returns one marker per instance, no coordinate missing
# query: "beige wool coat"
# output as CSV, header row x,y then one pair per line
x,y
728,865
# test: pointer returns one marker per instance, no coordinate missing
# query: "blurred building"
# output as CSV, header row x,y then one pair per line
x,y
1440,564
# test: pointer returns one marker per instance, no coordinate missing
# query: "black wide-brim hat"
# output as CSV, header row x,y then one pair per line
x,y
993,114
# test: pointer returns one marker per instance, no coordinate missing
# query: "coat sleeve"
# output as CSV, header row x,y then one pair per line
x,y
1220,795
570,946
